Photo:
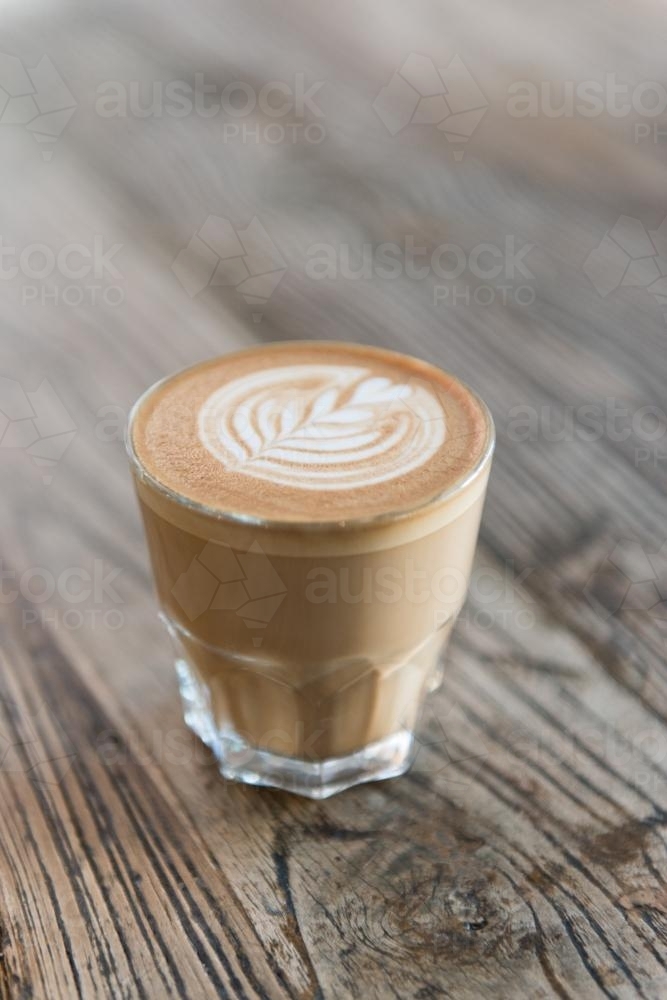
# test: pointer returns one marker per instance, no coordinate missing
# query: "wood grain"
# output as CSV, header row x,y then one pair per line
x,y
524,854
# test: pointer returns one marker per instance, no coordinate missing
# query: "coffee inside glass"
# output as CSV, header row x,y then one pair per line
x,y
311,512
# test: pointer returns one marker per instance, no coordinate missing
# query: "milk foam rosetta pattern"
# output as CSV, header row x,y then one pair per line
x,y
322,426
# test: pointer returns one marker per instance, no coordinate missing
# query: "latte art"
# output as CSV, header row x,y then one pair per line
x,y
313,433
322,426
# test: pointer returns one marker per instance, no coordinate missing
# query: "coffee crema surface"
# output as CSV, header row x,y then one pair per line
x,y
310,432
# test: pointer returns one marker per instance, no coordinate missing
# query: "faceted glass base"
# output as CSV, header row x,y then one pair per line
x,y
239,761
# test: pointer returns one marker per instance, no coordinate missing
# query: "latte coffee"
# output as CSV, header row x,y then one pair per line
x,y
312,512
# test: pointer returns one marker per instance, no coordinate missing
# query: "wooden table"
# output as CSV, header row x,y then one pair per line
x,y
524,855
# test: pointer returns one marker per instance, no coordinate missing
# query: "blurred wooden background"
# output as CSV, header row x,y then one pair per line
x,y
525,853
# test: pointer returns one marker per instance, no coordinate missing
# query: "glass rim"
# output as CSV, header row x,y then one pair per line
x,y
242,519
